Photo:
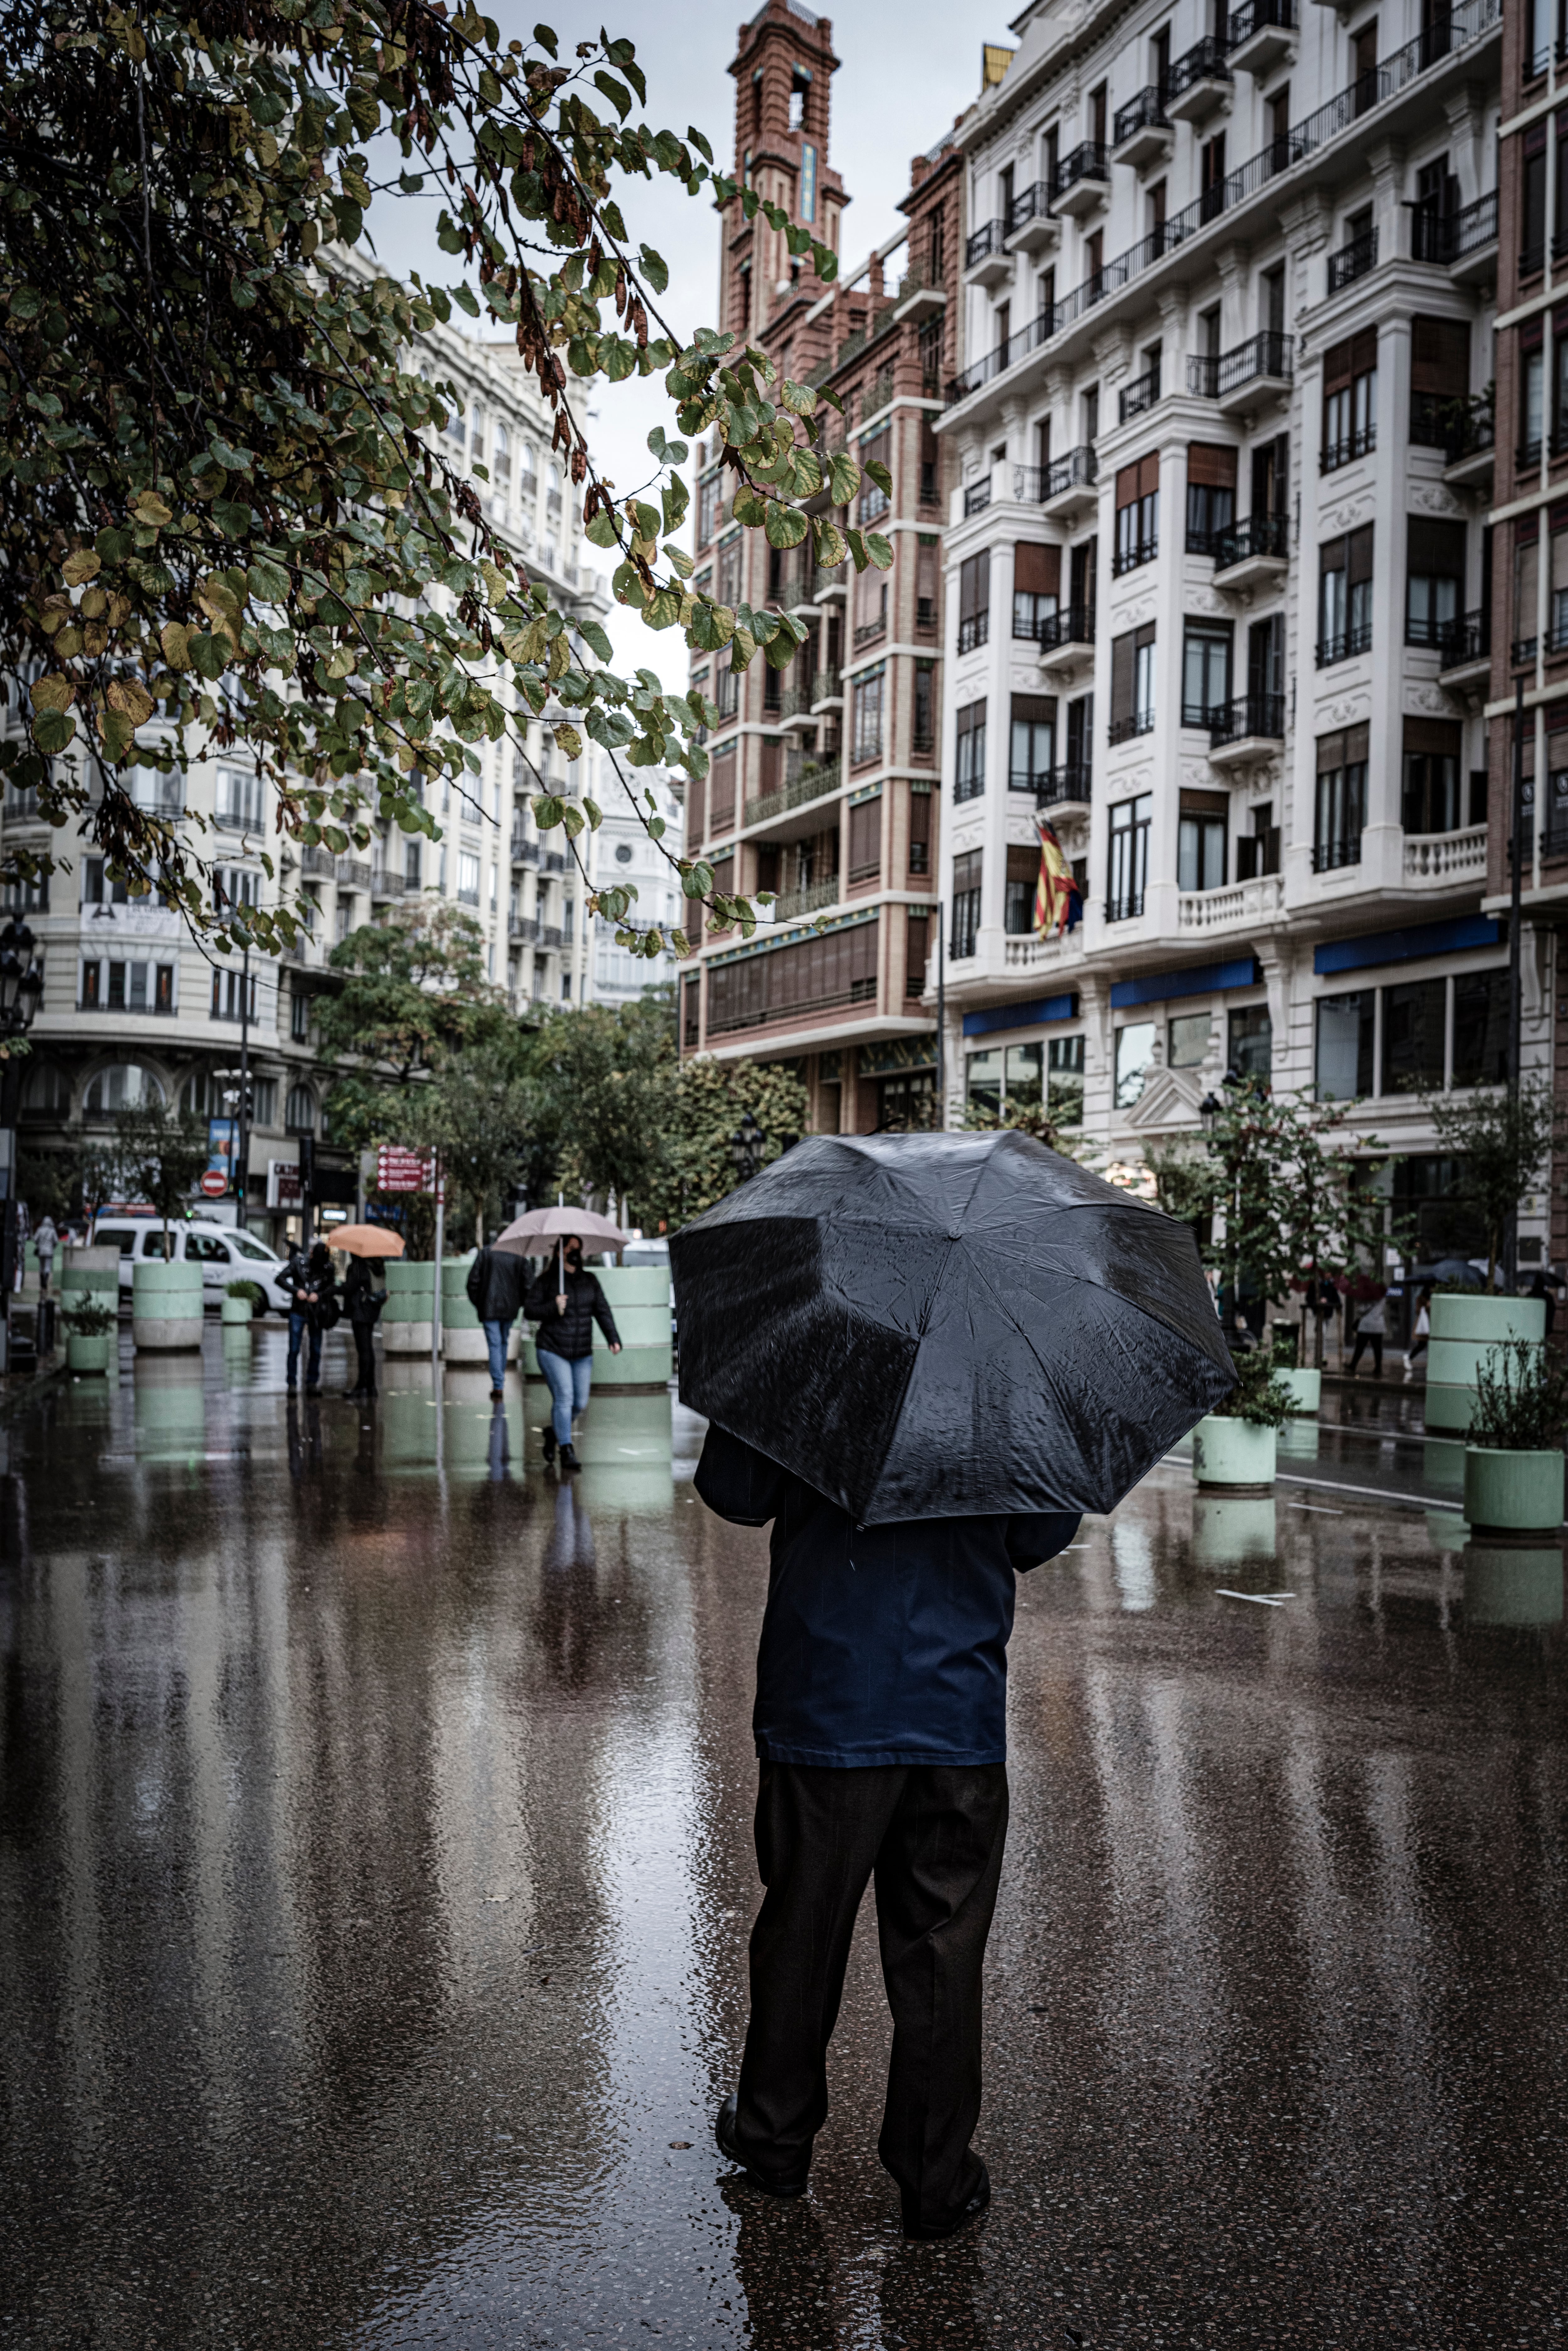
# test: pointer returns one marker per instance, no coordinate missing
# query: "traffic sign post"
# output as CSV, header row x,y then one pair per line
x,y
215,1183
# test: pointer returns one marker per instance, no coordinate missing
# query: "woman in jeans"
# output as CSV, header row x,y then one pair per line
x,y
567,1301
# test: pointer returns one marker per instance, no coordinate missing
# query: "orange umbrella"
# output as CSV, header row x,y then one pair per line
x,y
368,1240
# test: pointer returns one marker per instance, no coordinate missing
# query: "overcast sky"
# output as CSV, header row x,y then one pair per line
x,y
901,81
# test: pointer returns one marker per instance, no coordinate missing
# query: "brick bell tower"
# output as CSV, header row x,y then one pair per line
x,y
783,64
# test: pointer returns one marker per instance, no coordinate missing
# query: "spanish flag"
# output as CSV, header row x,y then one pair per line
x,y
1058,900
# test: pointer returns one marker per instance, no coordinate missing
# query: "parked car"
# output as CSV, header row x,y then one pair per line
x,y
223,1254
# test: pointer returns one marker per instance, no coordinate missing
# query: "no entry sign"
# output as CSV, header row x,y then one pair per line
x,y
215,1183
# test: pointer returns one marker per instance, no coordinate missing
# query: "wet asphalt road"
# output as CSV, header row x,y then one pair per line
x,y
375,1879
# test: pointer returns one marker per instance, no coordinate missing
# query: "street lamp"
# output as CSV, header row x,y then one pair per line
x,y
21,981
746,1145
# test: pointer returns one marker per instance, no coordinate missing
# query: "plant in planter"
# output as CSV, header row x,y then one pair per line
x,y
242,1300
90,1336
1514,1461
1235,1445
1505,1141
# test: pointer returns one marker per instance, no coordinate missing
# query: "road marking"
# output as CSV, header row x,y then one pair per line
x,y
1259,1599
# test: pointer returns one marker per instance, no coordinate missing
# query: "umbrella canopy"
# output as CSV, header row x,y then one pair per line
x,y
368,1240
531,1235
940,1326
1459,1269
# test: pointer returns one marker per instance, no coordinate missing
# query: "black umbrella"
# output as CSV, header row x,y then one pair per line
x,y
938,1325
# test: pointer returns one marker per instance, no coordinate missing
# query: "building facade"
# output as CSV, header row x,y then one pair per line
x,y
622,852
1530,535
1220,572
824,786
133,1005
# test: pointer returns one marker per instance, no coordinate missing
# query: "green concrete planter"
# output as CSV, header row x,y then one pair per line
x,y
1512,1493
1306,1386
1464,1329
90,1354
638,1297
1233,1455
406,1317
166,1305
89,1276
1228,1530
236,1313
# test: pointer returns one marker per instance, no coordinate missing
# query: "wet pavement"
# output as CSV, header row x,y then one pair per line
x,y
375,1877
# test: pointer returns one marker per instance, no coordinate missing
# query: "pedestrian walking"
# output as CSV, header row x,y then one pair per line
x,y
1369,1333
881,1732
566,1301
496,1286
362,1303
46,1240
1421,1335
1547,1285
312,1309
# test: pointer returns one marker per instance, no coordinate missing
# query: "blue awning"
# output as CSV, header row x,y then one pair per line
x,y
1032,1015
1199,979
1403,946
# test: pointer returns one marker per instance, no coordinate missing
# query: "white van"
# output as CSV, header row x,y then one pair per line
x,y
222,1254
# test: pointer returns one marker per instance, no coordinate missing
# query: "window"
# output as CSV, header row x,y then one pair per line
x,y
299,1113
1023,880
1064,1080
721,793
1435,579
1413,1018
873,502
1252,1043
1439,378
1430,794
235,885
263,1102
239,800
411,865
808,183
1137,514
973,601
971,780
125,1085
1481,1028
916,948
299,1016
97,889
1034,751
710,506
1187,1039
865,840
919,829
1081,741
1206,672
1037,587
691,997
1364,66
726,695
926,563
966,906
1340,810
1531,395
233,997
1350,399
1532,202
925,735
1210,496
1201,824
1129,857
1135,1052
1132,684
870,689
1346,1028
467,880
1345,597
47,1091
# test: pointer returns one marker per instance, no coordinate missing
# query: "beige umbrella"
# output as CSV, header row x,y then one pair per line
x,y
368,1240
524,1238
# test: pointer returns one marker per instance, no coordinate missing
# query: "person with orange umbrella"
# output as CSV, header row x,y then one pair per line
x,y
362,1300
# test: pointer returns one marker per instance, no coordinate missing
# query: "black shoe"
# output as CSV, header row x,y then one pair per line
x,y
352,1395
723,2132
980,2199
549,1443
314,1391
497,1395
569,1459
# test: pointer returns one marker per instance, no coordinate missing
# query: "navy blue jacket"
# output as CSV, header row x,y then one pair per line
x,y
880,1644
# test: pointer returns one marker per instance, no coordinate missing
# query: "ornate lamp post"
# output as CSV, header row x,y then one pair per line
x,y
21,987
746,1145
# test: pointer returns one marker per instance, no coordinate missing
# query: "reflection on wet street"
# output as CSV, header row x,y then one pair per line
x,y
375,1876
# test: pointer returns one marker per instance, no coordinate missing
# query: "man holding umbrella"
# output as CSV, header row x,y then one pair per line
x,y
922,1357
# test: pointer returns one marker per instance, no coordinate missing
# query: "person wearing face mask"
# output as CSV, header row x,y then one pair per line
x,y
566,1301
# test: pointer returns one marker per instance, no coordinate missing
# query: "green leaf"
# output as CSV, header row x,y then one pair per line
x,y
880,550
616,93
463,297
53,729
843,478
601,532
786,526
654,268
832,545
799,398
857,547
593,635
548,809
880,475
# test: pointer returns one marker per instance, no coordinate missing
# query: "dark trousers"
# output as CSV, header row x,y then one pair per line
x,y
365,1348
932,1836
300,1325
1364,1339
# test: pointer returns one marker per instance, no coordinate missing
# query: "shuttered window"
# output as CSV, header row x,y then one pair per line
x,y
1433,581
1350,399
1210,495
1440,357
1137,514
840,967
721,793
1032,748
966,906
1430,791
1340,803
973,601
1345,597
970,780
1037,587
696,793
919,829
1132,683
865,839
1208,463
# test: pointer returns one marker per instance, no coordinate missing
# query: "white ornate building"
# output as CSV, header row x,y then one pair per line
x,y
622,850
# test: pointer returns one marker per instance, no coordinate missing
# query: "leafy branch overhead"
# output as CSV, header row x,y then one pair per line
x,y
229,523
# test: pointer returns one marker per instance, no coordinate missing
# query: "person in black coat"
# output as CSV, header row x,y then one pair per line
x,y
880,1730
496,1293
362,1302
312,1296
567,1301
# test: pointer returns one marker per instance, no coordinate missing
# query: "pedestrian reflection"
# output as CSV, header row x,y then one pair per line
x,y
571,1617
786,2271
500,1444
304,1440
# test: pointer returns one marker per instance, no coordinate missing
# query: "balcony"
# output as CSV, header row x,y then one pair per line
x,y
986,258
1344,452
1069,486
1464,647
1345,645
977,496
1464,242
353,874
524,928
1332,855
1446,856
1199,82
1083,180
553,862
1242,379
524,850
551,935
385,885
1356,259
1242,904
1522,652
1066,787
318,862
1259,35
826,691
1141,133
808,783
1142,394
1066,638
1133,555
1136,722
1126,908
1032,226
1253,553
791,904
919,295
1249,728
1464,427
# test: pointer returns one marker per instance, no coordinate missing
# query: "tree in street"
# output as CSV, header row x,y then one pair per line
x,y
710,1098
1507,1142
227,521
156,1153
